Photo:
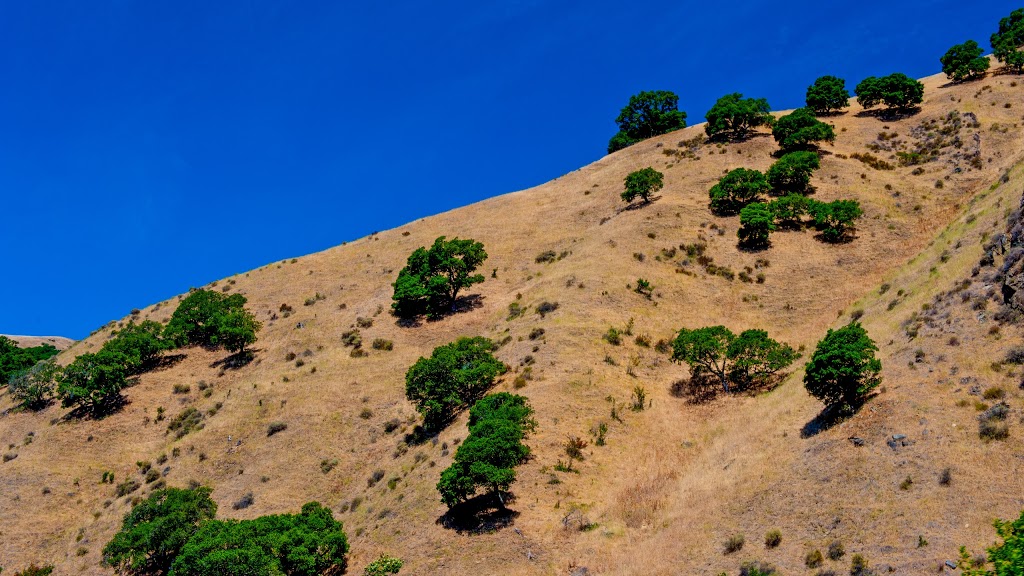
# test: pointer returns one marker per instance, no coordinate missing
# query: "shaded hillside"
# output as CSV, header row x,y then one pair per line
x,y
674,479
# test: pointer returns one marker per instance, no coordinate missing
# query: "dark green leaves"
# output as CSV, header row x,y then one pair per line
x,y
756,223
792,172
896,91
94,381
452,378
828,94
1007,41
642,183
737,189
834,219
488,456
800,129
647,114
843,367
733,116
432,278
964,62
33,389
748,359
207,318
14,359
141,344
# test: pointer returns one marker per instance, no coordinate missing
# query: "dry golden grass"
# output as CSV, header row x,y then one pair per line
x,y
674,480
58,342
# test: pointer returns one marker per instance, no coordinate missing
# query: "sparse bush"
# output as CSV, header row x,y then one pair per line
x,y
127,487
545,308
536,333
383,566
546,257
328,464
859,566
772,539
814,559
757,569
733,544
613,336
836,550
382,344
275,427
190,419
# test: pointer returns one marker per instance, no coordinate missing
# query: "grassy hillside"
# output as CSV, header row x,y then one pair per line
x,y
675,479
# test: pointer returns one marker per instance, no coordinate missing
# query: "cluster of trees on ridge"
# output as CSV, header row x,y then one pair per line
x,y
93,381
965,61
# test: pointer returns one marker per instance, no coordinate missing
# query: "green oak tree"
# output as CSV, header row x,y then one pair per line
x,y
1008,40
208,318
756,224
756,357
964,62
642,183
141,343
792,173
827,95
734,116
705,350
455,376
648,114
789,210
843,367
1006,558
34,388
433,277
835,219
155,530
736,189
800,129
14,359
897,91
93,381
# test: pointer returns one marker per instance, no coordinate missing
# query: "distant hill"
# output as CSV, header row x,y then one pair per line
x,y
58,342
674,480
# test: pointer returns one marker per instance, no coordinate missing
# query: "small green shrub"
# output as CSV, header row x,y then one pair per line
x,y
733,544
814,559
382,344
383,566
772,539
836,550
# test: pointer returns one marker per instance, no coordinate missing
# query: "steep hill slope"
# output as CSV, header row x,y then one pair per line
x,y
675,479
59,342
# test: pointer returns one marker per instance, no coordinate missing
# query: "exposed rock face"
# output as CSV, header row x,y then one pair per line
x,y
1009,247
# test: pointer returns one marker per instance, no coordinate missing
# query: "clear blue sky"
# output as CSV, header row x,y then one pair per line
x,y
148,146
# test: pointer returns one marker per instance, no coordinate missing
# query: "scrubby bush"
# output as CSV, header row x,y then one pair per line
x,y
828,94
383,566
733,544
772,539
792,172
642,183
896,91
734,116
433,277
800,129
964,62
454,376
736,189
843,368
648,114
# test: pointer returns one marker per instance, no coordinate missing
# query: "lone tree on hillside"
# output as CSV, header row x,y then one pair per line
x,y
964,62
737,189
155,530
792,172
1008,40
487,458
648,114
828,95
843,367
433,277
756,224
800,129
748,359
835,219
734,116
208,318
897,91
454,377
643,183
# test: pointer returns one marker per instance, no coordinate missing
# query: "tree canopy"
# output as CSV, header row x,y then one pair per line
x,y
800,129
756,224
843,367
835,219
141,344
827,95
208,318
155,530
736,189
964,62
648,114
1008,40
433,277
748,359
642,183
487,458
93,381
734,116
1006,557
14,359
792,172
34,388
455,376
897,91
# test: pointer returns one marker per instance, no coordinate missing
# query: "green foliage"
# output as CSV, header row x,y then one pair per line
x,y
748,359
790,209
454,376
154,531
14,359
896,91
93,381
964,62
800,129
733,116
792,172
383,566
208,318
843,367
756,223
305,544
488,456
433,277
34,570
834,219
648,114
141,344
642,183
828,94
34,388
1007,41
1006,557
737,189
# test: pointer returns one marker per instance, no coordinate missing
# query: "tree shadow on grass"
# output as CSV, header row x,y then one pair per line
x,y
830,416
479,515
164,362
235,361
639,205
107,408
889,115
462,305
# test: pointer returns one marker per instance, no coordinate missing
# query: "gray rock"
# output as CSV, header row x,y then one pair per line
x,y
899,436
857,441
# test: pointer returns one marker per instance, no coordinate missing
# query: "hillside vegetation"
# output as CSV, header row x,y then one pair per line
x,y
630,470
